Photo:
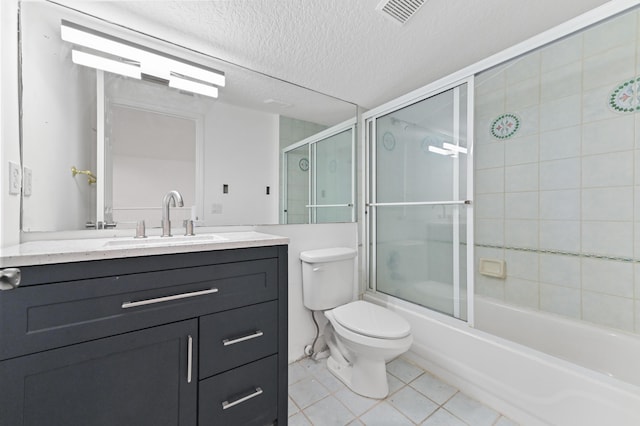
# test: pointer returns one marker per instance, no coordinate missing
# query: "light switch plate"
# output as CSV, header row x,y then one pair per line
x,y
27,176
15,178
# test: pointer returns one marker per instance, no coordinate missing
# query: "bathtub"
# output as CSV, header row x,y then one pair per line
x,y
530,386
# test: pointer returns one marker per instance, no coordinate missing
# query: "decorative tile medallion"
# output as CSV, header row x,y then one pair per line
x,y
388,141
505,126
626,96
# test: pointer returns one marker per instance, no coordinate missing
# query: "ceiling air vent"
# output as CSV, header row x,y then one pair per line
x,y
400,10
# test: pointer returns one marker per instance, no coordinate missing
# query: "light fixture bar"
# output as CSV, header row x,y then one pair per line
x,y
105,64
440,150
454,148
192,86
151,62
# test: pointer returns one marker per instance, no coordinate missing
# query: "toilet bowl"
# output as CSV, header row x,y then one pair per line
x,y
362,338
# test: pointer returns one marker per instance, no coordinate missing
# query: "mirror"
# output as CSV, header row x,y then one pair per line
x,y
141,138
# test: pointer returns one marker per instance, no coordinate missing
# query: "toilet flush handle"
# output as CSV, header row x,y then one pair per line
x,y
317,268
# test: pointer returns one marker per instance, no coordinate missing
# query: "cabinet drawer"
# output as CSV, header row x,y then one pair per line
x,y
236,337
247,395
40,317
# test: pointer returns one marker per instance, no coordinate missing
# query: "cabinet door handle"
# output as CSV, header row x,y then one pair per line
x,y
189,358
227,342
227,404
126,305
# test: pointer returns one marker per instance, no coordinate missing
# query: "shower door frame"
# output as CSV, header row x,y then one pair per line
x,y
310,142
371,204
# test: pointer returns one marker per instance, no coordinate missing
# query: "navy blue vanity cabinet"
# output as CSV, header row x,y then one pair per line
x,y
179,339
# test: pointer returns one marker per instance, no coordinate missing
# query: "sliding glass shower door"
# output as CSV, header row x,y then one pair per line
x,y
319,177
419,207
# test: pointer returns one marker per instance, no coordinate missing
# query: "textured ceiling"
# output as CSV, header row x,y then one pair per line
x,y
344,48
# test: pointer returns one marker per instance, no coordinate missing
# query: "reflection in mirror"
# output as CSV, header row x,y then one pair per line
x,y
320,177
142,138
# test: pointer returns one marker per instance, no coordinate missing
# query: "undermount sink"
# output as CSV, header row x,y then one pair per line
x,y
165,241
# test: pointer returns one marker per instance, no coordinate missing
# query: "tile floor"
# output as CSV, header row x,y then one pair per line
x,y
416,397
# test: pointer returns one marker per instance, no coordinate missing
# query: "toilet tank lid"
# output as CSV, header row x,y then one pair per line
x,y
371,320
327,255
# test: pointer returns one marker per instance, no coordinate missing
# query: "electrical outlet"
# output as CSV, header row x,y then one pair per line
x,y
27,176
15,178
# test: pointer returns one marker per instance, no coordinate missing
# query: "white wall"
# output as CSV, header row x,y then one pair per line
x,y
301,238
240,151
9,129
58,130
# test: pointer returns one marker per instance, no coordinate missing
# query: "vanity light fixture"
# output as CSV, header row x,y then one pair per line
x,y
181,83
106,64
448,149
454,148
440,151
133,60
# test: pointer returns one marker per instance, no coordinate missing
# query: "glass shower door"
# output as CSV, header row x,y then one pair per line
x,y
420,230
331,197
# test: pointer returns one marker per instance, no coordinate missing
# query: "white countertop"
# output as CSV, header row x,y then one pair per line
x,y
77,250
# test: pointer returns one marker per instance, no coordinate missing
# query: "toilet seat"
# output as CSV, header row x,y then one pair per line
x,y
371,320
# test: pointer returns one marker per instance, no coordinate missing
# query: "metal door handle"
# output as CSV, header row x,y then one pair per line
x,y
227,342
126,305
227,404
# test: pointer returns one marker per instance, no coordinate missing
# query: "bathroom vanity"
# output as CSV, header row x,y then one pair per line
x,y
194,334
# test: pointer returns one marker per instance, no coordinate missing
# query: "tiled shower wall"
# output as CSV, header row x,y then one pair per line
x,y
559,200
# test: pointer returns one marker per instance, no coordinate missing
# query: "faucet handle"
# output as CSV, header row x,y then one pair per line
x,y
188,228
140,229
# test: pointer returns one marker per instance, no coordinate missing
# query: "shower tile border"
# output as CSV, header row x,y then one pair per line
x,y
559,252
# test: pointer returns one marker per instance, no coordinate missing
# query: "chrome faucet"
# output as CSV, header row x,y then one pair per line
x,y
173,198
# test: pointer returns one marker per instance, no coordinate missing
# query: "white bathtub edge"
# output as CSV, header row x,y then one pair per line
x,y
527,386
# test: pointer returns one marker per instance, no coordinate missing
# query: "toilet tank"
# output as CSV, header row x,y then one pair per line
x,y
327,277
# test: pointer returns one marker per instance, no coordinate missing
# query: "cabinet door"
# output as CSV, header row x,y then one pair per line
x,y
142,378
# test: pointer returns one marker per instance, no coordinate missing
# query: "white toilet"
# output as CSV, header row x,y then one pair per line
x,y
361,336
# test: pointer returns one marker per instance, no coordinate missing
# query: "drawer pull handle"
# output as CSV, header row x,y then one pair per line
x,y
227,342
126,305
227,404
189,358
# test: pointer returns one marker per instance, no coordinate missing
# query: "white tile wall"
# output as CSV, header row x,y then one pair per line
x,y
561,82
522,264
609,67
560,270
608,276
561,53
521,150
523,177
618,31
522,292
521,233
608,204
563,204
521,205
562,143
489,180
560,174
614,169
612,311
610,238
567,181
562,235
560,300
616,134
